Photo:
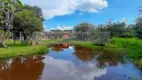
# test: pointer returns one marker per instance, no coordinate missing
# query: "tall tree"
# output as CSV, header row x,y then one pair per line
x,y
36,9
18,29
101,28
116,29
138,27
84,27
8,8
129,31
82,30
27,22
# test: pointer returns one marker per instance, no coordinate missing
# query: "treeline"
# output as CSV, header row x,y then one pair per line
x,y
28,20
18,20
119,29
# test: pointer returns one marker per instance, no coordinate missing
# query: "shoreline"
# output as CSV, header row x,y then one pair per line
x,y
17,51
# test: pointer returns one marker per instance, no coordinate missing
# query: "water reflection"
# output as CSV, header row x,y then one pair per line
x,y
58,47
84,54
67,70
102,56
109,59
79,63
72,63
21,68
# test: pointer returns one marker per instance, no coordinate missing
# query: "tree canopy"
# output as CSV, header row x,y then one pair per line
x,y
84,27
37,10
8,9
116,29
27,22
138,27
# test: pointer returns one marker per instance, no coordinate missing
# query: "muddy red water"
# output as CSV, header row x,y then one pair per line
x,y
65,62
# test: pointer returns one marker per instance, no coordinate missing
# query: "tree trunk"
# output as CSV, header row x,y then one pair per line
x,y
3,45
14,42
3,38
25,37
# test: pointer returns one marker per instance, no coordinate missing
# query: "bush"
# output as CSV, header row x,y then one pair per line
x,y
133,46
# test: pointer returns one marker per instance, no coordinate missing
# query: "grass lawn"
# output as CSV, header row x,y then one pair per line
x,y
21,50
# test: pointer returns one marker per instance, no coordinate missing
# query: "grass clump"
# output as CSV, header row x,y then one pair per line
x,y
133,46
126,42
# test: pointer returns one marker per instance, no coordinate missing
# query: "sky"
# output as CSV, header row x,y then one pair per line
x,y
66,14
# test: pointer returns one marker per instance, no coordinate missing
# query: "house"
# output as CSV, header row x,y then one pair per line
x,y
66,34
55,34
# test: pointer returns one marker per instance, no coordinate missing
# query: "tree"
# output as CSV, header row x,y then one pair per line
x,y
27,22
138,27
82,30
37,10
8,8
129,31
18,30
84,27
101,28
116,29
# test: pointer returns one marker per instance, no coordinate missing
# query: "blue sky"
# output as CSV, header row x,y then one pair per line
x,y
62,15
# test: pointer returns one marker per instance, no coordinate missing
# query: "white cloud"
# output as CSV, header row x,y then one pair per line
x,y
67,27
64,27
59,27
92,5
52,28
67,70
53,8
124,19
45,28
80,13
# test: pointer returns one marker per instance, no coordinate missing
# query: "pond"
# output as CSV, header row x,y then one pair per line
x,y
68,62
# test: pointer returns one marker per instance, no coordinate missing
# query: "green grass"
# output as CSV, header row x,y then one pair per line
x,y
55,41
126,42
83,44
133,46
108,47
21,50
